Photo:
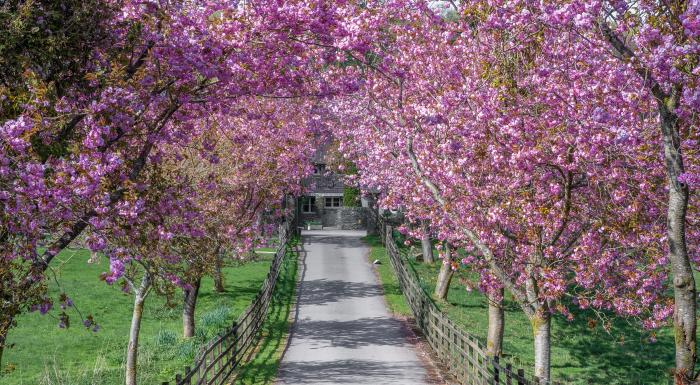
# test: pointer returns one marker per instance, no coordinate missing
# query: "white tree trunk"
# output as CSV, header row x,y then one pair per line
x,y
541,327
442,286
427,244
494,339
132,350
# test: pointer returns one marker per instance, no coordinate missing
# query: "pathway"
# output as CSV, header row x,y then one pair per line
x,y
343,332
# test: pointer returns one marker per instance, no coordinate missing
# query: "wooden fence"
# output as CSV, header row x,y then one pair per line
x,y
462,353
218,359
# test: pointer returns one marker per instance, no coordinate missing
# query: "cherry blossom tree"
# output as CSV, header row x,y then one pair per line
x,y
68,163
254,159
556,196
660,42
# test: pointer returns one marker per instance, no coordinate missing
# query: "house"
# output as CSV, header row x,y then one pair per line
x,y
322,206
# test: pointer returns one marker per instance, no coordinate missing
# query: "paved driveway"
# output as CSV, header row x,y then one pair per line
x,y
343,332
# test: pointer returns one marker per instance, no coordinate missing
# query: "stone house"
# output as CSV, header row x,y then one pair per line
x,y
322,206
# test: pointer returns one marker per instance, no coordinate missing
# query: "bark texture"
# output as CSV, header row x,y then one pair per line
x,y
218,276
684,289
426,244
4,330
494,338
541,328
442,286
2,346
132,350
188,308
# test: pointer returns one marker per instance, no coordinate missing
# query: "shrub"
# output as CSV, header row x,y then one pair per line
x,y
351,197
187,349
165,339
216,319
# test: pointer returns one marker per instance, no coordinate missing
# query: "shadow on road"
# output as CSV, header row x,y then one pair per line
x,y
323,291
379,331
349,371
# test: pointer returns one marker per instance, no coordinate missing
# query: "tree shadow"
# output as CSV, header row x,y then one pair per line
x,y
338,241
374,331
625,356
323,291
350,372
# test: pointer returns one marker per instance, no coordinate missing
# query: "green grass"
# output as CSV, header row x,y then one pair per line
x,y
392,293
581,354
46,355
262,369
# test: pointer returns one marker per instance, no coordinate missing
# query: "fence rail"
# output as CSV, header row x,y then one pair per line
x,y
218,359
462,353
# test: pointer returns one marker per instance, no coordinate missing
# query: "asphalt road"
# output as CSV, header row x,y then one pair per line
x,y
343,333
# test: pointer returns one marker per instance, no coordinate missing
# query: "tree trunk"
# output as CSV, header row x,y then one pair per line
x,y
541,327
3,338
188,308
427,244
494,339
132,350
445,276
218,275
5,325
684,290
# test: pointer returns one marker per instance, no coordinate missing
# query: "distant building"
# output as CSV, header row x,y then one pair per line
x,y
323,204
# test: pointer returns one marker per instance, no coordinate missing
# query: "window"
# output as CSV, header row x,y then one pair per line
x,y
308,204
319,168
333,201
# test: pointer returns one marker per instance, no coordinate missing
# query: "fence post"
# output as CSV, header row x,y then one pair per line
x,y
234,351
496,374
521,377
188,376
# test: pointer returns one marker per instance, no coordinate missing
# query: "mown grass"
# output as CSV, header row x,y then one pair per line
x,y
392,293
46,355
582,352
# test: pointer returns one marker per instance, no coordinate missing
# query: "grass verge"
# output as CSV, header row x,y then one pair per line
x,y
46,355
262,369
582,352
392,293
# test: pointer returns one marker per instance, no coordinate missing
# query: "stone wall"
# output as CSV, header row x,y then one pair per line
x,y
351,218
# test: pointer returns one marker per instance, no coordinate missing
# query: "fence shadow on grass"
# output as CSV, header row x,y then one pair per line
x,y
218,359
262,369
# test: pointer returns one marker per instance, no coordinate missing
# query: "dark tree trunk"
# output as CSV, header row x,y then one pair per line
x,y
218,276
188,309
3,338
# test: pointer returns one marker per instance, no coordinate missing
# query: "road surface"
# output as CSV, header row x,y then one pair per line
x,y
343,333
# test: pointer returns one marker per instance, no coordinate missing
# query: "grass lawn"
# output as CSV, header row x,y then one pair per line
x,y
581,353
46,355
